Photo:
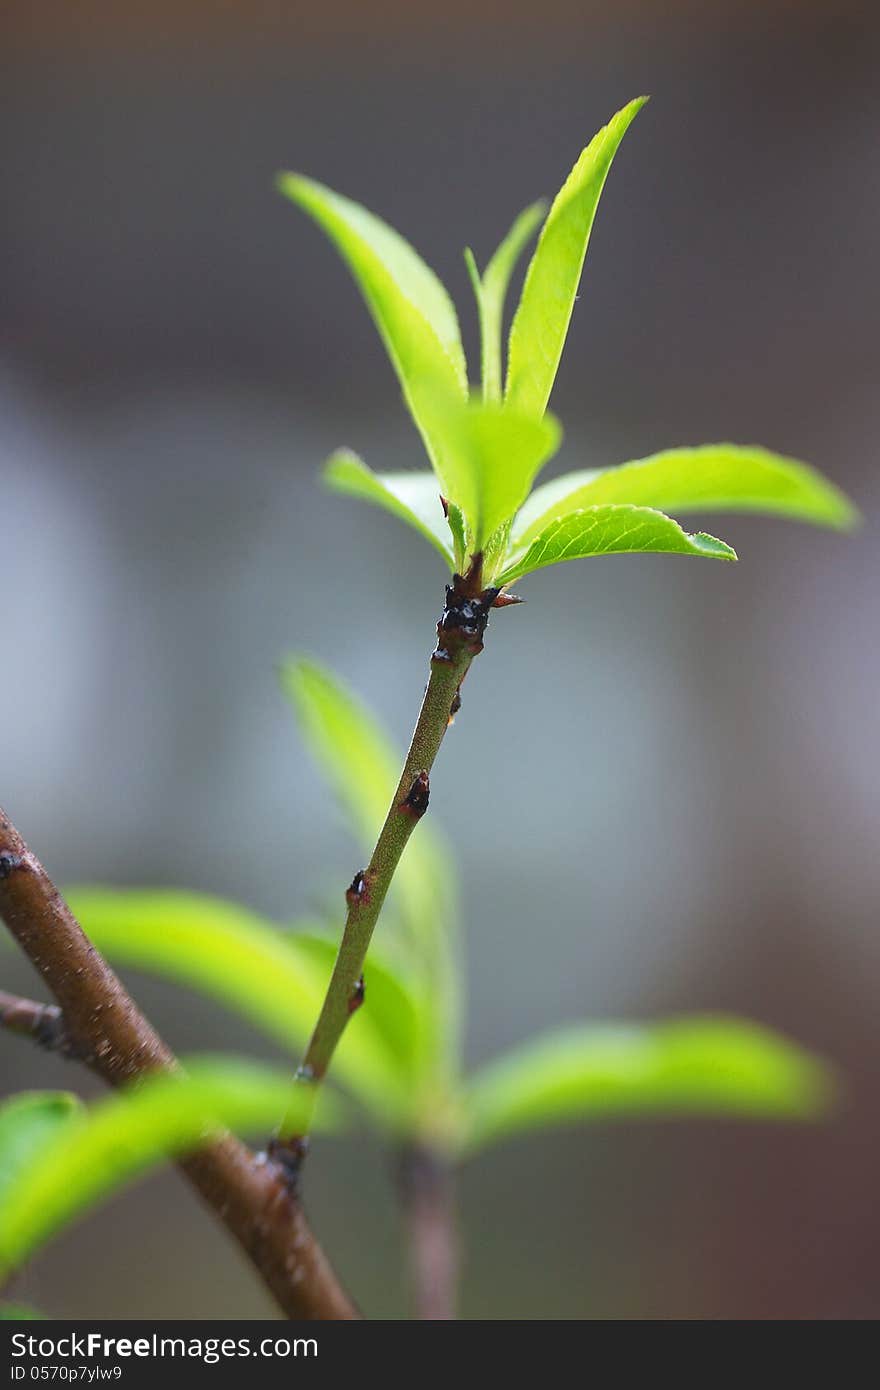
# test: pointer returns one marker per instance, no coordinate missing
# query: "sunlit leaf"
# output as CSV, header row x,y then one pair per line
x,y
710,1065
611,530
541,322
413,497
247,964
490,291
28,1124
459,533
409,305
100,1149
712,477
493,457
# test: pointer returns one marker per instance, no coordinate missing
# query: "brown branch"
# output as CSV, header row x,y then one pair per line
x,y
101,1025
426,1195
44,1023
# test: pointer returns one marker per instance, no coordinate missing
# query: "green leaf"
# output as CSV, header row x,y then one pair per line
x,y
410,307
541,322
99,1150
491,291
493,457
611,530
413,497
459,534
711,477
266,975
29,1123
710,1065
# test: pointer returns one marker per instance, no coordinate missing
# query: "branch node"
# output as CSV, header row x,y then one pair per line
x,y
9,862
49,1032
357,996
289,1156
464,618
358,891
415,803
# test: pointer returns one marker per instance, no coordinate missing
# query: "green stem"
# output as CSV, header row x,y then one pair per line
x,y
460,632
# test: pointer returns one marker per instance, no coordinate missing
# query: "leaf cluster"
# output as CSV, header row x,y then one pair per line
x,y
487,444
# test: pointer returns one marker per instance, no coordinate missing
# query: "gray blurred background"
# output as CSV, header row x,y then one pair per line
x,y
663,786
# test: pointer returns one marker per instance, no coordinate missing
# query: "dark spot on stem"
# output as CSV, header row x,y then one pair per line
x,y
9,863
463,621
357,996
357,890
416,800
49,1032
289,1154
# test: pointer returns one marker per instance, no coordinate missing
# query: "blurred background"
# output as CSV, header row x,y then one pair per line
x,y
662,787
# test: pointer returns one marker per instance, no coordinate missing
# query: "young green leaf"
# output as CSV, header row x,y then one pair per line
x,y
611,530
29,1123
542,318
490,292
711,477
413,497
459,534
248,965
710,1065
492,459
410,307
115,1140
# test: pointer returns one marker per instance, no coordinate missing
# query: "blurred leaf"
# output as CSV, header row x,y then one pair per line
x,y
98,1150
410,307
491,290
266,975
412,497
541,322
18,1312
360,764
611,530
493,457
29,1123
712,477
710,1065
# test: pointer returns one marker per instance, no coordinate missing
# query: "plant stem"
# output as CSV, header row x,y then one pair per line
x,y
427,1199
100,1024
44,1023
459,632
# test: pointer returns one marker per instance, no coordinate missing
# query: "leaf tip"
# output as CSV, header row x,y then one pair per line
x,y
712,547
